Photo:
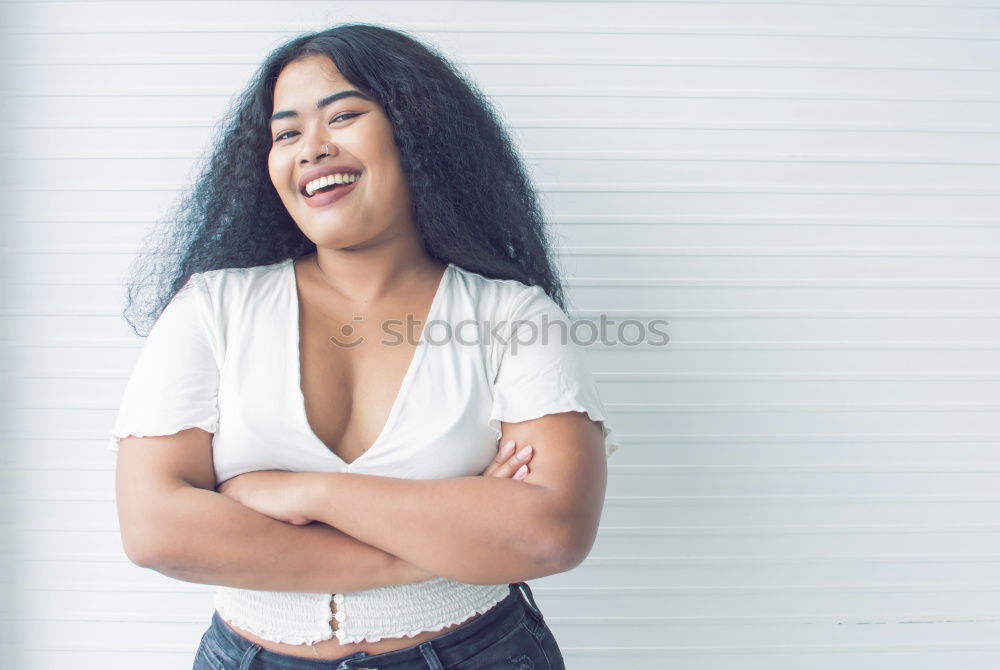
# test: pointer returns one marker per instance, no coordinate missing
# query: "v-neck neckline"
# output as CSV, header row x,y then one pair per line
x,y
296,366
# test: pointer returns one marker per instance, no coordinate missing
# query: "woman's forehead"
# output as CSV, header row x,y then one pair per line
x,y
318,69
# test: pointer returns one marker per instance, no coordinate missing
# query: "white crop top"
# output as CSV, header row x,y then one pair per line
x,y
224,357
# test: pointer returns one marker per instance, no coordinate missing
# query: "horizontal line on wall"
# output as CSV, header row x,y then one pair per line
x,y
621,621
617,654
784,500
692,439
652,157
664,156
631,124
850,619
661,313
687,620
761,283
682,282
213,59
888,469
673,470
672,531
779,346
583,124
118,586
885,345
758,251
853,439
677,314
645,500
709,407
634,219
796,94
660,220
87,250
626,561
736,407
738,63
506,29
688,377
749,529
799,559
604,187
650,250
831,94
631,377
904,4
651,591
601,187
778,469
680,314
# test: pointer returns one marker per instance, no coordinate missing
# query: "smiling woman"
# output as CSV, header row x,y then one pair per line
x,y
356,127
341,490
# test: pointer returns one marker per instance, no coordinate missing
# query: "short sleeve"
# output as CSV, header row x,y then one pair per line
x,y
542,369
174,384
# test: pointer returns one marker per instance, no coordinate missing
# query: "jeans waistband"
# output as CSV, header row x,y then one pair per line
x,y
445,650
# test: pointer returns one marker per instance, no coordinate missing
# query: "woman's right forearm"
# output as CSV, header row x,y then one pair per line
x,y
205,537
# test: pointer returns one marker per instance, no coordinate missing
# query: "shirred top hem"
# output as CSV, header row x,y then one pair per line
x,y
305,618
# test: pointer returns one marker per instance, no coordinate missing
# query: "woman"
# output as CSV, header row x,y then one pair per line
x,y
391,195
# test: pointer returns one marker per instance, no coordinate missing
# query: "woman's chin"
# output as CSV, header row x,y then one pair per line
x,y
332,237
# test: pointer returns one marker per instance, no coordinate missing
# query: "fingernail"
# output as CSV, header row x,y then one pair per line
x,y
506,449
524,452
522,472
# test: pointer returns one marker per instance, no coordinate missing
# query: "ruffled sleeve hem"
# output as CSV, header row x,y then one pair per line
x,y
611,443
159,431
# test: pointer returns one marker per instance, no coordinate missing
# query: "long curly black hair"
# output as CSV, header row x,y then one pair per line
x,y
472,201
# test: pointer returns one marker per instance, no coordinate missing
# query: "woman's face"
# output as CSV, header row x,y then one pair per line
x,y
357,134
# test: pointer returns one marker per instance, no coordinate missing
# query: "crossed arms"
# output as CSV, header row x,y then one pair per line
x,y
375,530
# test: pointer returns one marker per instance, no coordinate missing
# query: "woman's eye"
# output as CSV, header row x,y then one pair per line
x,y
347,114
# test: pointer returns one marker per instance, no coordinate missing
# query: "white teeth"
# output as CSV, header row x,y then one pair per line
x,y
317,184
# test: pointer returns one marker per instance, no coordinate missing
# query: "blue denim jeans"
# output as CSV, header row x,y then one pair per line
x,y
512,635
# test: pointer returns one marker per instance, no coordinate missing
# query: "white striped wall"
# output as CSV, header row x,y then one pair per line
x,y
806,191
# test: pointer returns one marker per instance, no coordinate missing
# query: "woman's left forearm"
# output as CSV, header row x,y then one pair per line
x,y
476,530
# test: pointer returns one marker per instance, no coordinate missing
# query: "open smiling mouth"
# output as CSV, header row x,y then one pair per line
x,y
329,187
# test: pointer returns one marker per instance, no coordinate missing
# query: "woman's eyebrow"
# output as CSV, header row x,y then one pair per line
x,y
328,100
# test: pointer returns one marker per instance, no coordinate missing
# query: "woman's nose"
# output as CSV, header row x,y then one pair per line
x,y
314,153
313,143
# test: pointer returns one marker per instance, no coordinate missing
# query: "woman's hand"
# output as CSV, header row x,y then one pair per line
x,y
508,462
279,494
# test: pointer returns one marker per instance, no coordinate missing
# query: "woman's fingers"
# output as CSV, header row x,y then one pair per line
x,y
510,461
517,465
503,453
